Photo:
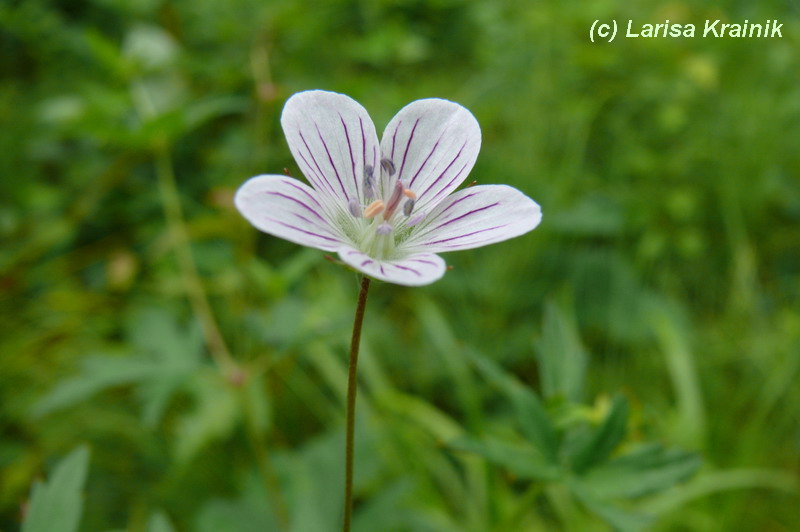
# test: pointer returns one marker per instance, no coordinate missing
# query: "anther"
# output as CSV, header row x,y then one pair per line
x,y
414,220
369,182
373,209
388,166
384,229
408,206
355,207
409,194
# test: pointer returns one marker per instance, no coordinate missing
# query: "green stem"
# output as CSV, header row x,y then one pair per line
x,y
177,228
352,373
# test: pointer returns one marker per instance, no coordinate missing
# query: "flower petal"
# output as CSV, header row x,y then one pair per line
x,y
289,209
332,139
414,270
433,144
474,217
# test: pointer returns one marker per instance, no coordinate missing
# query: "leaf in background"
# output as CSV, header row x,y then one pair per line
x,y
57,504
562,358
591,216
99,373
159,522
531,415
597,447
620,519
721,481
523,462
214,416
649,469
444,340
156,332
249,512
166,356
257,406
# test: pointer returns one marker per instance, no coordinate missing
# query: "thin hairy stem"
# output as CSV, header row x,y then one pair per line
x,y
352,374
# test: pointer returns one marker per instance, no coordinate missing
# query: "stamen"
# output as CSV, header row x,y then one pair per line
x,y
384,229
355,207
414,220
409,193
408,206
369,182
373,209
394,199
388,166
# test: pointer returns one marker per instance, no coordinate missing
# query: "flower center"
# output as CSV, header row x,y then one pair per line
x,y
381,222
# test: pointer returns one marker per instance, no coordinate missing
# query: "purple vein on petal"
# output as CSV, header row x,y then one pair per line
x,y
474,243
423,261
307,194
461,217
291,198
412,270
408,147
443,191
363,150
394,136
445,170
306,220
456,202
321,174
411,183
303,230
376,167
312,173
350,149
466,234
330,160
368,261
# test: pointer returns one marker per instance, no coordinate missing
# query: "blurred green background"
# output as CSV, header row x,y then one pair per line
x,y
666,270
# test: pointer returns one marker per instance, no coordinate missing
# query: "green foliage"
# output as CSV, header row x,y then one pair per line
x,y
578,456
58,503
667,172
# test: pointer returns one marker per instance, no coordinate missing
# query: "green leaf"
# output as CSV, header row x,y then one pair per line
x,y
720,481
604,439
57,504
98,373
562,358
159,522
524,462
248,512
214,416
166,356
534,420
620,519
648,469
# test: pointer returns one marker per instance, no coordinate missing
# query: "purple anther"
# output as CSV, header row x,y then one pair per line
x,y
408,206
355,207
388,166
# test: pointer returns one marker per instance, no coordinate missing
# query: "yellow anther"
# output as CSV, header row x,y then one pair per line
x,y
373,209
409,193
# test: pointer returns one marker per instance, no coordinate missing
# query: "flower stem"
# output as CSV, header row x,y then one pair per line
x,y
352,373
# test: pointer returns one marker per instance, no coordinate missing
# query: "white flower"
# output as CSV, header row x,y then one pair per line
x,y
386,208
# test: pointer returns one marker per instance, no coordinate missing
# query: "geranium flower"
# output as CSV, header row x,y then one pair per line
x,y
386,208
